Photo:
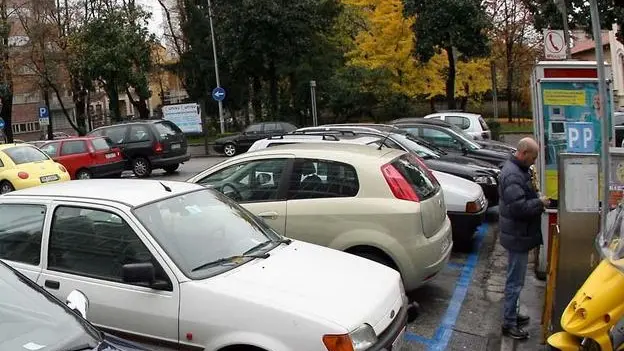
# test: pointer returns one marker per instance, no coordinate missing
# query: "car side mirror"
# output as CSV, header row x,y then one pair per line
x,y
142,273
78,302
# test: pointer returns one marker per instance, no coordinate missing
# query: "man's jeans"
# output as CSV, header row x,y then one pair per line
x,y
516,272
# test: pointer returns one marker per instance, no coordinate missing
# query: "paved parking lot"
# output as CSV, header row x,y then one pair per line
x,y
460,308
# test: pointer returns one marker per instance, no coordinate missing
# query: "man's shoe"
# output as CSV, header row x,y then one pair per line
x,y
515,333
523,320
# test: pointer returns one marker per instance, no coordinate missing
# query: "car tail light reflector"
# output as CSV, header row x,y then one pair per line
x,y
158,148
397,183
22,175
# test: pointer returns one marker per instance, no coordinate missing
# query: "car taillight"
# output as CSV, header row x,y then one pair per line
x,y
397,183
423,166
62,169
158,147
22,175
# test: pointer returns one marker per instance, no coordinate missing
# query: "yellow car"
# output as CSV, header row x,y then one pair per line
x,y
24,166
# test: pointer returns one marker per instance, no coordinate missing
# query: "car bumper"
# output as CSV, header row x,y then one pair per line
x,y
465,224
218,148
158,162
100,171
428,258
393,334
32,181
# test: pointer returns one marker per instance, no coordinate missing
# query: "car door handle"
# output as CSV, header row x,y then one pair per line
x,y
269,215
52,284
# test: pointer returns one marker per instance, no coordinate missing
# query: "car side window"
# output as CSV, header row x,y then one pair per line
x,y
51,149
73,147
250,181
116,134
97,244
1,163
312,179
461,122
272,128
21,229
138,133
439,138
254,129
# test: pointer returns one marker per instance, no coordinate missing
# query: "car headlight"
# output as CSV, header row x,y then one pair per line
x,y
488,180
360,339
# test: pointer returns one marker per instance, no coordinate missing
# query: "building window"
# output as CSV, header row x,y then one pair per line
x,y
27,127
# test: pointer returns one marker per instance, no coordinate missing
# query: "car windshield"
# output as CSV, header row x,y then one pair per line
x,y
464,136
101,144
412,144
32,319
25,154
203,226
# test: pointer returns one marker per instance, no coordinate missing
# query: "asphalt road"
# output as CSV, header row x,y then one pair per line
x,y
460,308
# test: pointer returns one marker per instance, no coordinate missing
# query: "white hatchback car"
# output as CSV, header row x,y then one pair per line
x,y
178,266
471,123
384,205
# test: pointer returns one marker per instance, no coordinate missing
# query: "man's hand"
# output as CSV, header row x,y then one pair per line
x,y
545,201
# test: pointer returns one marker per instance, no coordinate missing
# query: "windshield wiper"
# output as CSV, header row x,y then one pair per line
x,y
265,243
228,260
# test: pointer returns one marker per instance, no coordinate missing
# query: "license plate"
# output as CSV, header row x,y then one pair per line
x,y
110,155
175,146
445,244
398,343
49,178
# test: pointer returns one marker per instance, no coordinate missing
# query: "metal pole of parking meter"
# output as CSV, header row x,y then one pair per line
x,y
602,89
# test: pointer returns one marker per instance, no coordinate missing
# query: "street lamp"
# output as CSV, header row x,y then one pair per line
x,y
216,65
561,5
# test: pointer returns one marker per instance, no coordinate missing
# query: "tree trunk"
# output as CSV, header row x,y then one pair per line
x,y
6,113
140,104
256,100
113,101
80,102
464,100
432,104
450,80
273,96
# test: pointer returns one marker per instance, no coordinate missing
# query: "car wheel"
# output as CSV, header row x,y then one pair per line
x,y
6,187
171,168
141,167
374,255
83,174
229,149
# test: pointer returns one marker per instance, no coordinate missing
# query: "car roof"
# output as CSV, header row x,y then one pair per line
x,y
130,192
6,146
87,137
435,122
346,152
455,113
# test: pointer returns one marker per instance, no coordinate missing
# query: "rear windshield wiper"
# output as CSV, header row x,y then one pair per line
x,y
228,260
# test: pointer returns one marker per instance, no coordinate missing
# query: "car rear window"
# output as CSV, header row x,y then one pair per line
x,y
418,175
483,124
167,128
25,154
100,144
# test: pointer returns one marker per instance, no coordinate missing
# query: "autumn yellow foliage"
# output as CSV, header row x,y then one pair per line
x,y
386,41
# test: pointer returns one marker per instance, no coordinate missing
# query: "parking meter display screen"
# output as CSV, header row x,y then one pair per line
x,y
572,123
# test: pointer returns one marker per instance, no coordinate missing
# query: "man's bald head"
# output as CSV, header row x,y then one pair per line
x,y
527,151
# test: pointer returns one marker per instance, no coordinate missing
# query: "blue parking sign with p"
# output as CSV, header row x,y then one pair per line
x,y
43,112
580,137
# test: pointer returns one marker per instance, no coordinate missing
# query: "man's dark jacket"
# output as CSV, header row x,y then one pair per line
x,y
520,208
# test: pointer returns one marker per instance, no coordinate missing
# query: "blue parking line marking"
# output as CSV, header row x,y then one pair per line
x,y
444,332
453,265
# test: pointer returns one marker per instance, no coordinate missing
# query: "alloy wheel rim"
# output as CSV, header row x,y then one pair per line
x,y
140,167
5,188
84,175
230,150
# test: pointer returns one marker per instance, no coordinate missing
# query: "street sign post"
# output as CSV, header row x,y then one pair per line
x,y
554,44
44,116
218,94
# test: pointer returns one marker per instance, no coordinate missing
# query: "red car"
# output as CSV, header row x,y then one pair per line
x,y
86,157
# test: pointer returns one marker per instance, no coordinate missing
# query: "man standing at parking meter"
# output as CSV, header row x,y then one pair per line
x,y
520,209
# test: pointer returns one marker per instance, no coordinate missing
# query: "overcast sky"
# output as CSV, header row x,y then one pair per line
x,y
156,23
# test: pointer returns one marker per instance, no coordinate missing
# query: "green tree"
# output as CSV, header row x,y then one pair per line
x,y
456,26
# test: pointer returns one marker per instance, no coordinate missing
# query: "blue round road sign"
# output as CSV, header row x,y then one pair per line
x,y
218,94
1,123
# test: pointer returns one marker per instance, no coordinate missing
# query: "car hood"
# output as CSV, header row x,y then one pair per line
x,y
457,191
226,139
317,282
495,145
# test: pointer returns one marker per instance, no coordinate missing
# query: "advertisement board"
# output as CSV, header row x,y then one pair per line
x,y
571,123
186,116
616,179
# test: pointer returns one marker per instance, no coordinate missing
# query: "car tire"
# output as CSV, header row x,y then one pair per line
x,y
84,174
6,187
171,168
374,256
229,149
141,167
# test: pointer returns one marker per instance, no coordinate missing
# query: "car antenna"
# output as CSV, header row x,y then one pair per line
x,y
384,140
167,189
